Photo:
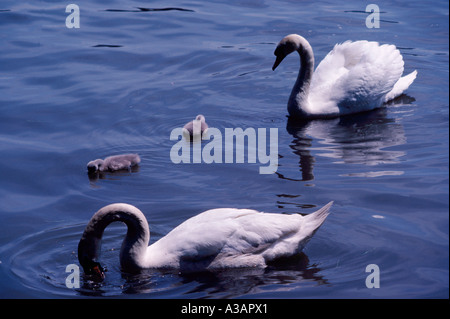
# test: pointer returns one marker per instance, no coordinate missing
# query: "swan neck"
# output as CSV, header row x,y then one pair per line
x,y
299,95
306,66
134,244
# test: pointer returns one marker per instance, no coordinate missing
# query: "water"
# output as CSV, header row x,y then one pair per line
x,y
123,80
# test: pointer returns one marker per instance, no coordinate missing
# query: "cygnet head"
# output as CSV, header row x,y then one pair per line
x,y
200,117
289,44
94,166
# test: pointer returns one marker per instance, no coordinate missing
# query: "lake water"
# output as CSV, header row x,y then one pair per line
x,y
127,77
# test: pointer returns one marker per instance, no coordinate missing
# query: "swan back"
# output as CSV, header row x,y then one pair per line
x,y
355,76
230,238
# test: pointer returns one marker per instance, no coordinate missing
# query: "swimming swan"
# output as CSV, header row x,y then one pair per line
x,y
196,127
215,239
113,163
353,77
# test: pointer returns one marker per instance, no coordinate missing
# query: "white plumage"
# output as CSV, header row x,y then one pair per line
x,y
215,239
354,77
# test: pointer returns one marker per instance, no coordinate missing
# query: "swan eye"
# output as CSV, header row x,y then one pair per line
x,y
291,47
285,49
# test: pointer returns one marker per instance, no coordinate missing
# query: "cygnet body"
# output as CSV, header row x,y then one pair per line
x,y
196,127
114,163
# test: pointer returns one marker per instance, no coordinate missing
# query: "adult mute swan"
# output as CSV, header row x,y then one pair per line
x,y
354,77
113,163
215,239
197,127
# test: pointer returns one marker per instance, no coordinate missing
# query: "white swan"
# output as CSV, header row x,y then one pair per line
x,y
113,163
197,127
215,239
353,77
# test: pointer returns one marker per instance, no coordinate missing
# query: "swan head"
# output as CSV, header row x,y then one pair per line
x,y
94,166
289,44
93,269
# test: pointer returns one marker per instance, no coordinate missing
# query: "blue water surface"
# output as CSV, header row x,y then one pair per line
x,y
130,74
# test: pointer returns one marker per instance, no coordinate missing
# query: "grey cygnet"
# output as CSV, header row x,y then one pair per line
x,y
113,163
196,127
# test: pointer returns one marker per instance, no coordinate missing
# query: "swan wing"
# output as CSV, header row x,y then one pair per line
x,y
224,238
356,76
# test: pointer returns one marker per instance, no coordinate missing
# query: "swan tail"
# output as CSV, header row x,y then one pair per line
x,y
315,220
402,85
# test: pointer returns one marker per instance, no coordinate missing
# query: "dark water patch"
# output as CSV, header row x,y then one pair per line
x,y
107,46
150,10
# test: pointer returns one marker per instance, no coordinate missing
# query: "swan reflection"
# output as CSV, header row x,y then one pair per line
x,y
363,139
227,283
233,283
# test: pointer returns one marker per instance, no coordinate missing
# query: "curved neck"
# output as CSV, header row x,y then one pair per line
x,y
299,94
134,245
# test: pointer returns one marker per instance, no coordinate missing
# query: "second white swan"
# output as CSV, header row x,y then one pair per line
x,y
354,77
215,239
